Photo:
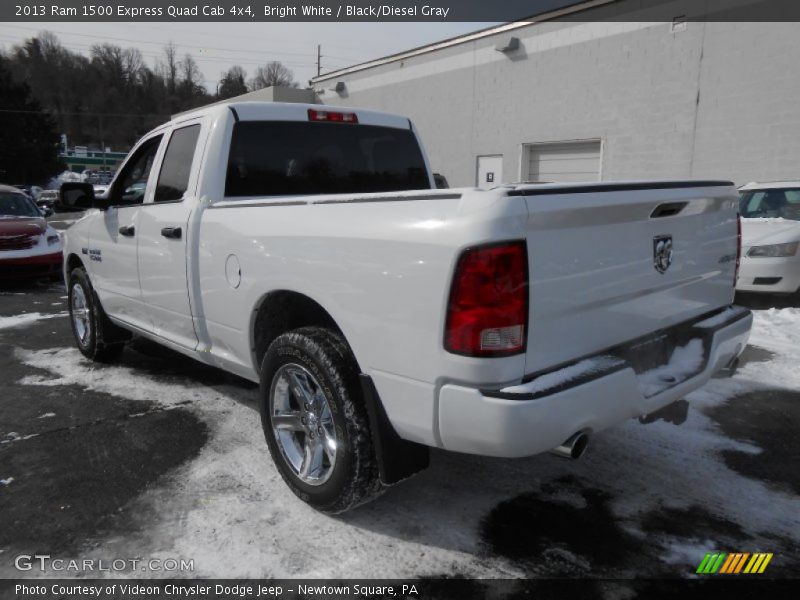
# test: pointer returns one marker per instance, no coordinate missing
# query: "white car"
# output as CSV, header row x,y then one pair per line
x,y
306,248
770,237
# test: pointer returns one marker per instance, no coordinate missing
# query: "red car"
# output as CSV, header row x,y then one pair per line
x,y
29,247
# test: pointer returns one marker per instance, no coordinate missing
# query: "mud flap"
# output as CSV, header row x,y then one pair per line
x,y
398,459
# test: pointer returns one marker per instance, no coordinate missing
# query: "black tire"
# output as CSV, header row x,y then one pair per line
x,y
354,478
101,341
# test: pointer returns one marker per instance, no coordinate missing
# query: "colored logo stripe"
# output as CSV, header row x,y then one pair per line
x,y
734,563
711,563
758,563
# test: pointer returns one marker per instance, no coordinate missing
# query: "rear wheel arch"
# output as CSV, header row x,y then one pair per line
x,y
282,311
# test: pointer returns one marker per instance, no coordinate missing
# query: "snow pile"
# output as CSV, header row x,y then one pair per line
x,y
27,318
777,329
565,375
684,362
5,482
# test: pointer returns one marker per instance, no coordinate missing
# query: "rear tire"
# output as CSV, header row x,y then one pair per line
x,y
315,422
95,335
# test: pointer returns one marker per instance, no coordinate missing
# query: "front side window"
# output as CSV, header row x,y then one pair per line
x,y
296,158
132,183
173,181
16,205
771,204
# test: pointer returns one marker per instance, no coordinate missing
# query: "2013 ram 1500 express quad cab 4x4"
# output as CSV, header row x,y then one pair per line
x,y
305,248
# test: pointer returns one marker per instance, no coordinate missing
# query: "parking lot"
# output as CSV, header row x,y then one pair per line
x,y
161,457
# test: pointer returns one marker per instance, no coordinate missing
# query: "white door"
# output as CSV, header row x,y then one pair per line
x,y
162,231
490,171
563,162
111,252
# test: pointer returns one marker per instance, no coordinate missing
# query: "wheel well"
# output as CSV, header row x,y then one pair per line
x,y
283,311
73,262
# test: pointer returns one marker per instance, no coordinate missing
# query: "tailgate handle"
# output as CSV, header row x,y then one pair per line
x,y
670,209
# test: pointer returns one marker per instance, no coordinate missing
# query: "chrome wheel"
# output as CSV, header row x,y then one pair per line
x,y
81,319
302,423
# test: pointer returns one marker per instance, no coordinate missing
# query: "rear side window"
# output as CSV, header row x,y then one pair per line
x,y
290,158
173,181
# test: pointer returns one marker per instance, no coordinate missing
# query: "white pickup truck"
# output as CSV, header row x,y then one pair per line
x,y
305,247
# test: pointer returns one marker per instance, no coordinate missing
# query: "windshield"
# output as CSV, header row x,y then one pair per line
x,y
780,203
289,158
17,205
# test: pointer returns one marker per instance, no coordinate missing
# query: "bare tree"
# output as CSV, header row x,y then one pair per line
x,y
133,64
190,72
169,67
273,73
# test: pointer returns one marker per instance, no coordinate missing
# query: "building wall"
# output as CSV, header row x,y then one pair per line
x,y
713,100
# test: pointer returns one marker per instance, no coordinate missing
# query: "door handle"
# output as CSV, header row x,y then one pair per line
x,y
172,233
128,231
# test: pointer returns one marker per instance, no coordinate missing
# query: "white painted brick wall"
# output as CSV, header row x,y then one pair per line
x,y
637,90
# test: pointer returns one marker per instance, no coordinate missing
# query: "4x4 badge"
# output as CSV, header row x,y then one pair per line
x,y
662,252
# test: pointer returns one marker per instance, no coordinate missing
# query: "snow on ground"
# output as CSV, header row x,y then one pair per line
x,y
230,511
6,481
27,318
777,329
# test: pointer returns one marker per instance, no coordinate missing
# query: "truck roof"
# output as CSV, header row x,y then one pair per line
x,y
285,111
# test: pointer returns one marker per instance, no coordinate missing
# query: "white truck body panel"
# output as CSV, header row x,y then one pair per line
x,y
381,265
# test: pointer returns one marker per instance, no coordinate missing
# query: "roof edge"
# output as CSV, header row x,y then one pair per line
x,y
462,39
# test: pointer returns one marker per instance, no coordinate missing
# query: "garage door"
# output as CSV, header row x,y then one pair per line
x,y
564,161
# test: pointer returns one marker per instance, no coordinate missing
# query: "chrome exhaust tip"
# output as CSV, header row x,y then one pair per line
x,y
574,447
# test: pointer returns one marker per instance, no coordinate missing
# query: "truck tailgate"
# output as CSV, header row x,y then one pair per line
x,y
601,270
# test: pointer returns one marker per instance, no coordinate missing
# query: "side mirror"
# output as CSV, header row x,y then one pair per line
x,y
78,196
46,211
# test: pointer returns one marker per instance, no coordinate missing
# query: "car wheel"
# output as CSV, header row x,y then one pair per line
x,y
95,335
315,421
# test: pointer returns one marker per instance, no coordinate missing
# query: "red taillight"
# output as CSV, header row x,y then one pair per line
x,y
327,116
488,310
738,248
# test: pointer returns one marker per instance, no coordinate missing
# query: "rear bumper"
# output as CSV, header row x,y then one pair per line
x,y
769,275
31,266
513,425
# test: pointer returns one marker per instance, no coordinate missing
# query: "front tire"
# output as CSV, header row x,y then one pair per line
x,y
95,335
315,422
